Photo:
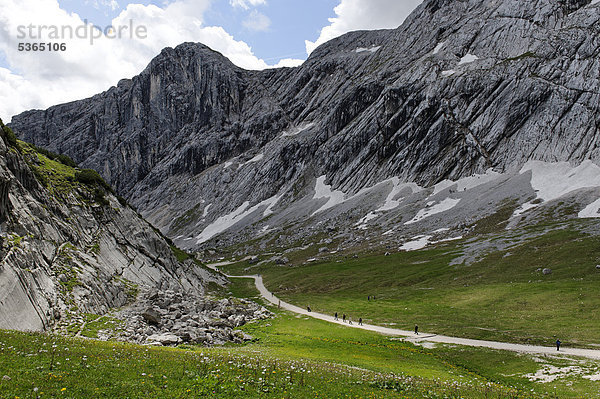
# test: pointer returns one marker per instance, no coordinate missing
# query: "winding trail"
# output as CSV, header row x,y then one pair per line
x,y
410,335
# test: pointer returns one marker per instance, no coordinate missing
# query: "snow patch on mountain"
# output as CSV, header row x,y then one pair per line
x,y
257,158
553,180
468,59
418,242
322,190
438,47
225,222
370,50
297,130
467,183
592,210
443,206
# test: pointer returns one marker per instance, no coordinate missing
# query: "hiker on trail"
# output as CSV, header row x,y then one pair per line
x,y
344,317
335,316
416,329
350,320
558,344
360,321
308,308
279,304
369,298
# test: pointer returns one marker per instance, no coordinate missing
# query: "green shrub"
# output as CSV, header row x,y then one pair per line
x,y
41,177
122,200
100,197
66,160
90,177
11,138
62,158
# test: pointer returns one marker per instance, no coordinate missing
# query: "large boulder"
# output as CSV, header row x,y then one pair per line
x,y
152,316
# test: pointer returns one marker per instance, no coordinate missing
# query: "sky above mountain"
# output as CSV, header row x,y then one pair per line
x,y
107,40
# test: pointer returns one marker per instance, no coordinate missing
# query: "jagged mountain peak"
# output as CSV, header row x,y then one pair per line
x,y
459,88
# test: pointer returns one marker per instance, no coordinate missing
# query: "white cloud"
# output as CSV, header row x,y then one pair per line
x,y
112,4
257,22
354,15
246,4
288,63
41,79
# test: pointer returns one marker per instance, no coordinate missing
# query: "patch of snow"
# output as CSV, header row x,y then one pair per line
x,y
370,50
297,130
362,223
447,240
264,230
206,210
443,206
449,72
227,164
225,222
468,59
391,202
323,190
467,183
442,230
592,210
438,47
271,202
387,233
418,242
257,158
553,180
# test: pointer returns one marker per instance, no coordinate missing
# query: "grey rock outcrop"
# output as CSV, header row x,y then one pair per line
x,y
68,248
460,87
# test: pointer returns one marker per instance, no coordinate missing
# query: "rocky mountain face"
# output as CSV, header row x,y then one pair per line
x,y
368,124
69,247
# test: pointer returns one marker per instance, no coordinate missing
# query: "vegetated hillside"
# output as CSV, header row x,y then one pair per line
x,y
202,147
69,246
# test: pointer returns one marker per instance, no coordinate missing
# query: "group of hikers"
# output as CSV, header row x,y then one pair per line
x,y
347,318
360,321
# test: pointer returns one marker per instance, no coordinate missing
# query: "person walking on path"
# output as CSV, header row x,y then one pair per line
x,y
369,298
416,329
335,316
558,344
350,320
308,308
360,321
344,317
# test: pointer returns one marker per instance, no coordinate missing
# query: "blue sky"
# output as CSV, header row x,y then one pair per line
x,y
253,34
292,22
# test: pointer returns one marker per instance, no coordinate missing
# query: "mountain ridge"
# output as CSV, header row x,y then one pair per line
x,y
491,85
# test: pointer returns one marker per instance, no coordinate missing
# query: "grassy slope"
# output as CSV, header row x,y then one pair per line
x,y
502,297
293,358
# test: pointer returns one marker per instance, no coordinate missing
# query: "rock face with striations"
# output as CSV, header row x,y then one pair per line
x,y
69,248
460,87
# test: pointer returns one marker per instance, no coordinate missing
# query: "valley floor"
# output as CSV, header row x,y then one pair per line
x,y
292,356
422,336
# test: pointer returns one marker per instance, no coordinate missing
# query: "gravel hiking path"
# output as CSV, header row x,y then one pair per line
x,y
410,335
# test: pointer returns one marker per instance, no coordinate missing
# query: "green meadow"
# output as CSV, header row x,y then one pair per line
x,y
502,296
